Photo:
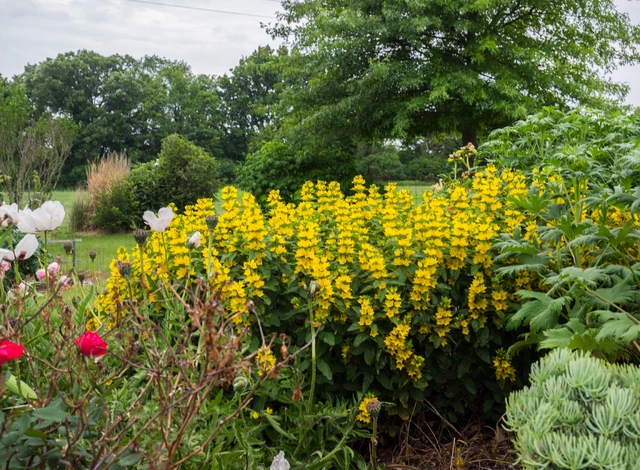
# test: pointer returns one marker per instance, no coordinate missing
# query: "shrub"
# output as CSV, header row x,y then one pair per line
x,y
384,165
144,186
428,168
185,173
116,210
583,249
579,413
228,170
404,296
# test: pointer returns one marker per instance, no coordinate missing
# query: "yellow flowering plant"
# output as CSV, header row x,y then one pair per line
x,y
406,303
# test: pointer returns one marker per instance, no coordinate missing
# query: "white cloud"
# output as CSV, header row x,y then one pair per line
x,y
212,43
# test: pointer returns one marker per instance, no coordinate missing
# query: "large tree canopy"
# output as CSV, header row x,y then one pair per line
x,y
404,68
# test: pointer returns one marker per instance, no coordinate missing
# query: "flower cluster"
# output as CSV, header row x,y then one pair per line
x,y
390,276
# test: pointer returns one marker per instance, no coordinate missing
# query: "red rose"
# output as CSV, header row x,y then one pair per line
x,y
91,344
9,350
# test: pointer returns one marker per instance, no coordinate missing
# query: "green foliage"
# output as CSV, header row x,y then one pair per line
x,y
579,413
380,163
184,173
381,70
145,186
285,166
116,209
123,104
582,249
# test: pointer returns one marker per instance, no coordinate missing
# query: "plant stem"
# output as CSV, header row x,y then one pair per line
x,y
374,443
313,354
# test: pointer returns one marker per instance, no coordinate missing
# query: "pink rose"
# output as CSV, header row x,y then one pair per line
x,y
9,351
41,274
91,344
53,269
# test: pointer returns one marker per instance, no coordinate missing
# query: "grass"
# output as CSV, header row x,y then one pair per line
x,y
105,245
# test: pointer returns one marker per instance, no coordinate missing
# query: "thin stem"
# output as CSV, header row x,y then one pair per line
x,y
313,354
374,443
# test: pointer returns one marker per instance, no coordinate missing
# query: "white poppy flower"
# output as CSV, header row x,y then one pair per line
x,y
194,241
23,250
9,214
161,222
279,462
45,218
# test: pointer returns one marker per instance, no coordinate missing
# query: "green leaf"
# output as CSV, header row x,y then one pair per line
x,y
53,412
129,460
275,425
13,386
328,338
360,338
325,369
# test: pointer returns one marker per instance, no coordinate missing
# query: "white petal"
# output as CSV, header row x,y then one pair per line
x,y
165,213
26,247
6,255
26,223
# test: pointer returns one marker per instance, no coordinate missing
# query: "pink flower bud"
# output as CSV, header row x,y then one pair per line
x,y
65,281
5,266
41,274
53,269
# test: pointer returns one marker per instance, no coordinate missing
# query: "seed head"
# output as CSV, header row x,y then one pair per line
x,y
373,407
140,235
92,255
212,222
68,248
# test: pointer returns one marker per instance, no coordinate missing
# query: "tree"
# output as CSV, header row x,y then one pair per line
x,y
123,104
379,69
250,97
32,151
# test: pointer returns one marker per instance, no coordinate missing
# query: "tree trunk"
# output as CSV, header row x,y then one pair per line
x,y
469,135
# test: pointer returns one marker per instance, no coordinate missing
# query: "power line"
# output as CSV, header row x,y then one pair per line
x,y
205,9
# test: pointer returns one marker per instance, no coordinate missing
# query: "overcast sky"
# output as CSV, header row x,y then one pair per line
x,y
211,42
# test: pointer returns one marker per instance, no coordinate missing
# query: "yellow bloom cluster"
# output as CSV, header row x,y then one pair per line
x,y
379,260
363,415
502,364
265,361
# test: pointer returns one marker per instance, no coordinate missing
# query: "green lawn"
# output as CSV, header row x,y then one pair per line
x,y
105,245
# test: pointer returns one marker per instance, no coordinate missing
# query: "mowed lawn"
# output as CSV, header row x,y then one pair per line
x,y
105,245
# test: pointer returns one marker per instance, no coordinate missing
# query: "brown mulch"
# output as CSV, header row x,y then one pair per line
x,y
431,442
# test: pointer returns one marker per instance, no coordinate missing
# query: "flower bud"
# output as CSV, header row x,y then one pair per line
x,y
240,384
140,235
193,241
92,255
68,248
125,269
313,287
373,407
212,222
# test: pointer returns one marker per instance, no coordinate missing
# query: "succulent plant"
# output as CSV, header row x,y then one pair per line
x,y
580,412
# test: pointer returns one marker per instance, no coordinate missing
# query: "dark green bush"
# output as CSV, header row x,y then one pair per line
x,y
427,168
185,173
228,170
144,186
116,210
382,166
